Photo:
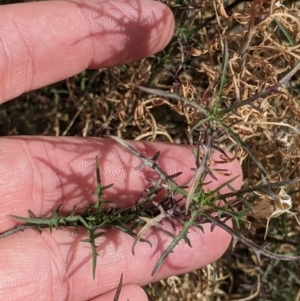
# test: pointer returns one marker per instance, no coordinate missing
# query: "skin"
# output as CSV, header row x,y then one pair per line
x,y
38,173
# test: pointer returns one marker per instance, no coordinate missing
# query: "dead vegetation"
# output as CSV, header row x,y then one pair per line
x,y
236,64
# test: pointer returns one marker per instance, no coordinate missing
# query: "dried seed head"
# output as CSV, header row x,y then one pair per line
x,y
284,139
269,208
262,208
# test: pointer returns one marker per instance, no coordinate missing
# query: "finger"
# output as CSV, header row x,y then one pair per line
x,y
40,173
59,265
66,37
128,292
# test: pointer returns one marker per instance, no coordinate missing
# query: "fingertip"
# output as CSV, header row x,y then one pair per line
x,y
218,241
148,28
207,247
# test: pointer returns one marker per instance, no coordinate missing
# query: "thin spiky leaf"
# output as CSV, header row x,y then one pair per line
x,y
149,222
225,57
156,156
225,184
243,145
31,214
175,175
182,235
19,228
160,93
119,288
257,249
91,240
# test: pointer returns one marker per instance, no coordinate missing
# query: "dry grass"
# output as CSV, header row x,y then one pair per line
x,y
262,41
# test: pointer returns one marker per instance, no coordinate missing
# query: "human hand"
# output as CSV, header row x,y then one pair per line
x,y
44,42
